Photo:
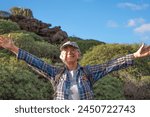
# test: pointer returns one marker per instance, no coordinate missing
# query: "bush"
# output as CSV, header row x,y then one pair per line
x,y
18,82
43,49
109,88
137,90
7,26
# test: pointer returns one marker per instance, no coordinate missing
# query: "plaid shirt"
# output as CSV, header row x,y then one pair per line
x,y
84,83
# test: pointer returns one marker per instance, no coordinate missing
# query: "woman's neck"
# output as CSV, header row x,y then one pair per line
x,y
72,66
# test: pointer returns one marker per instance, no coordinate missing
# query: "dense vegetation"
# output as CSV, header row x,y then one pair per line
x,y
18,81
137,76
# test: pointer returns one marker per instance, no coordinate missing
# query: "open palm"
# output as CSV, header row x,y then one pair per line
x,y
6,42
143,51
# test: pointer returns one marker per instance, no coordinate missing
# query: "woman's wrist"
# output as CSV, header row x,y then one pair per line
x,y
14,49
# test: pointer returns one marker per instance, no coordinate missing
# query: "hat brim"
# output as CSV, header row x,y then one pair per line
x,y
64,46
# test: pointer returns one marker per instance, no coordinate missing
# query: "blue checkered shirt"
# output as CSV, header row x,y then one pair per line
x,y
84,83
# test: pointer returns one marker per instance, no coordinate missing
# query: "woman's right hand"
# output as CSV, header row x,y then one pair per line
x,y
8,43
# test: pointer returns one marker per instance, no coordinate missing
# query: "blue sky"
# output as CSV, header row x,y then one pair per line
x,y
110,21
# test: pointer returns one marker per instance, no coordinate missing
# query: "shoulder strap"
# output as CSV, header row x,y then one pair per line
x,y
58,76
56,80
88,75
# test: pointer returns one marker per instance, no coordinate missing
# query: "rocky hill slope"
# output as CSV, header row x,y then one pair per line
x,y
24,18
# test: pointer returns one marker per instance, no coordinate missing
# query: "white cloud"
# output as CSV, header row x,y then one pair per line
x,y
133,6
144,28
135,22
112,24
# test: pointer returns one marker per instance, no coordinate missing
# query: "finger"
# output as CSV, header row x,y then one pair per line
x,y
142,46
9,35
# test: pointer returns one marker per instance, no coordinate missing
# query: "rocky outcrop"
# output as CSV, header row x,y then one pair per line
x,y
52,35
4,14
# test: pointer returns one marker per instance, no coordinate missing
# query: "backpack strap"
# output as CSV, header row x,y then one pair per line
x,y
56,80
58,76
88,75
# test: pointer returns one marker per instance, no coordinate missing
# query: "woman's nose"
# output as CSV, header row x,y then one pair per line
x,y
70,52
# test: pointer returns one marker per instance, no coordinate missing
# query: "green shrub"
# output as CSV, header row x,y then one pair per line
x,y
7,26
47,50
17,81
137,89
109,88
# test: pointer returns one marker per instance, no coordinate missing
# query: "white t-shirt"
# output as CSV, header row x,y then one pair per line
x,y
74,93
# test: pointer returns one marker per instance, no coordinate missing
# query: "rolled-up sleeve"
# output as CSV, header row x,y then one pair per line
x,y
37,63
